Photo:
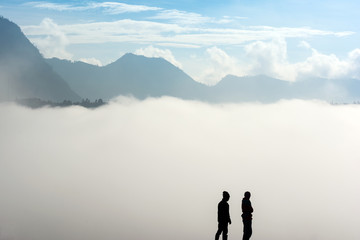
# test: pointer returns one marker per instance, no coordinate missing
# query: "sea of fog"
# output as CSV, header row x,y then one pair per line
x,y
155,170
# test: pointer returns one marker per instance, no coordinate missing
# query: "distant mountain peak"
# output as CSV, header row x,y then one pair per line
x,y
131,74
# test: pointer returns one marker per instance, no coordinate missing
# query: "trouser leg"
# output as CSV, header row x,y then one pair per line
x,y
247,229
217,235
225,233
219,231
223,228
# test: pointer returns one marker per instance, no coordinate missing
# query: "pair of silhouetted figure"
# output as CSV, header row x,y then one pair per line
x,y
224,216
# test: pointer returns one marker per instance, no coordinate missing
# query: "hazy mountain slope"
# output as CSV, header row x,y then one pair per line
x,y
265,89
134,75
336,90
154,75
86,79
141,77
23,71
258,88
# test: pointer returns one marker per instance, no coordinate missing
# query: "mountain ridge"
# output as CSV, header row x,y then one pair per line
x,y
231,88
24,72
131,74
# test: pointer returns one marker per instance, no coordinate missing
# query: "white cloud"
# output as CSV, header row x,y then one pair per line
x,y
119,31
52,6
283,32
166,54
92,61
329,66
220,65
269,58
261,58
54,42
156,169
109,7
191,18
149,32
354,59
321,65
229,19
304,44
118,8
265,49
179,45
181,17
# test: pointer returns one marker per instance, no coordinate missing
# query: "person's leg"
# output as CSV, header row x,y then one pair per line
x,y
247,229
225,232
250,228
217,235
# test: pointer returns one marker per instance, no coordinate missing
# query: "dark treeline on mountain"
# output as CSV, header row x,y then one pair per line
x,y
38,103
25,74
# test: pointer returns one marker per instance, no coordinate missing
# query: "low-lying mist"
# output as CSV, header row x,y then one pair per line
x,y
156,169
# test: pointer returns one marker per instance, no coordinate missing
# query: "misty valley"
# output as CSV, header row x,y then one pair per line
x,y
156,168
139,150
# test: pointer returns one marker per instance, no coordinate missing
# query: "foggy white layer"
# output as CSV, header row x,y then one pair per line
x,y
155,169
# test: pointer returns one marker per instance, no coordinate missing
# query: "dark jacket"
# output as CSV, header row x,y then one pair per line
x,y
246,209
223,212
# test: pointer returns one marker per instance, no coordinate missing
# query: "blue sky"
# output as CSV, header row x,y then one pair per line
x,y
286,39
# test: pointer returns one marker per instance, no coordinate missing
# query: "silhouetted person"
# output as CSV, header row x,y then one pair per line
x,y
247,215
223,217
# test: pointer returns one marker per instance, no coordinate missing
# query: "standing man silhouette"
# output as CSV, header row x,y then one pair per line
x,y
223,217
247,215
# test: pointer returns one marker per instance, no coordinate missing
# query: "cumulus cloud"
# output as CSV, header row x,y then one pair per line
x,y
269,58
151,51
54,42
330,66
354,59
261,58
155,169
322,65
220,64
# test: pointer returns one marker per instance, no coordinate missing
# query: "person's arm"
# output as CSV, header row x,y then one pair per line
x,y
228,213
219,212
250,207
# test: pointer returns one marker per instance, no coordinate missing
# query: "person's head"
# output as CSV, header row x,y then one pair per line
x,y
226,196
247,195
